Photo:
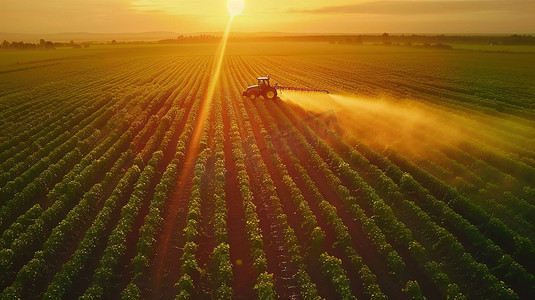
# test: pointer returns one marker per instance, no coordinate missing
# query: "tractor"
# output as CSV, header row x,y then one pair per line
x,y
263,88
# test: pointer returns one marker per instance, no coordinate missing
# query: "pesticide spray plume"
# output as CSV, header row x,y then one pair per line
x,y
408,126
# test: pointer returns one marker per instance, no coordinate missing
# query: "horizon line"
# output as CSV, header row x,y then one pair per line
x,y
269,32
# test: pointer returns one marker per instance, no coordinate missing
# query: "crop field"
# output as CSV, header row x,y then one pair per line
x,y
141,172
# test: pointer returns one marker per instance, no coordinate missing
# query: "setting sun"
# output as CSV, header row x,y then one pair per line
x,y
235,7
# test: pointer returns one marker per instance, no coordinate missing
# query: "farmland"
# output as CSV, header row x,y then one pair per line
x,y
414,177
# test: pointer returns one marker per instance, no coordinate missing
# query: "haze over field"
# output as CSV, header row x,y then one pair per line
x,y
405,124
338,16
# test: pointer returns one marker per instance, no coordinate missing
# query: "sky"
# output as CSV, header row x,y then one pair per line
x,y
311,16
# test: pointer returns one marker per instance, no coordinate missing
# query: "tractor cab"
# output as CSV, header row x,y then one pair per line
x,y
263,81
263,88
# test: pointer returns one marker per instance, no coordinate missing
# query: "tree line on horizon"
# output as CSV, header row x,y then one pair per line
x,y
42,44
440,41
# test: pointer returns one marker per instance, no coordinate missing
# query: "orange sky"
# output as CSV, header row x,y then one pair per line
x,y
312,16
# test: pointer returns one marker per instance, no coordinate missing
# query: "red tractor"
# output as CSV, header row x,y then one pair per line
x,y
263,88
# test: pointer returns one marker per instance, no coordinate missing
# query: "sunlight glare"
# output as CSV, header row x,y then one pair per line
x,y
235,7
212,83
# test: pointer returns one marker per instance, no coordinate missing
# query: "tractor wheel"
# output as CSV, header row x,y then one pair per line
x,y
270,94
253,95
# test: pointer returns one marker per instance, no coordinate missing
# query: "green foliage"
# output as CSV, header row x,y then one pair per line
x,y
131,292
412,289
265,287
80,161
332,268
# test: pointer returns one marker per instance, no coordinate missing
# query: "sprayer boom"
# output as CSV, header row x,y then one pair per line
x,y
263,88
291,88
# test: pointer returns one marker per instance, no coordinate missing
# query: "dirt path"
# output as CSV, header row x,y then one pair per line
x,y
173,221
242,263
182,101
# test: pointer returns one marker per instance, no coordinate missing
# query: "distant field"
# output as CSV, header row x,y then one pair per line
x,y
414,177
498,48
